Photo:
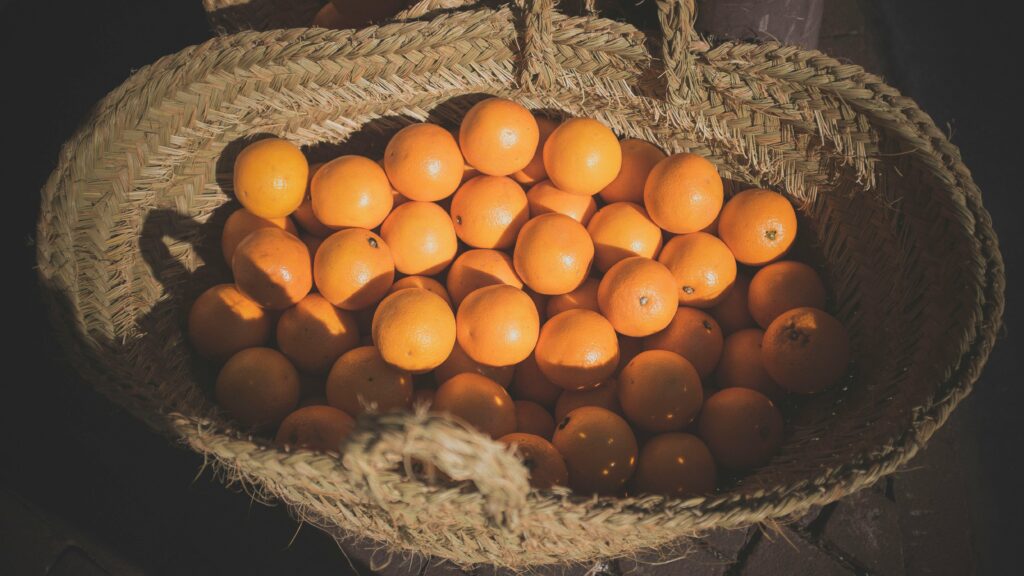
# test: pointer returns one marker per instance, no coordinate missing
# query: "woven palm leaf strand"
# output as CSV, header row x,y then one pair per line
x,y
910,257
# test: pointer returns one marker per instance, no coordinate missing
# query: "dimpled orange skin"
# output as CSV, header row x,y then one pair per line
x,y
532,418
703,267
660,391
805,350
638,296
478,400
694,335
622,230
488,212
223,321
321,428
683,193
458,362
534,171
638,159
475,269
498,325
530,384
675,465
599,448
353,269
257,387
741,365
543,198
583,297
313,334
577,349
423,162
414,330
782,286
604,396
553,254
731,311
498,136
272,267
241,223
582,156
351,192
270,177
421,237
361,378
542,460
424,282
742,428
758,226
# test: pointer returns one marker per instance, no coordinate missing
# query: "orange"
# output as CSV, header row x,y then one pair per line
x,y
638,296
694,335
553,254
583,297
622,230
529,383
270,177
424,282
638,159
742,428
532,418
758,226
675,465
361,379
414,329
582,156
312,245
498,325
683,193
458,362
488,212
599,448
498,136
475,269
313,334
423,162
223,321
545,464
544,198
304,213
351,192
534,171
604,396
479,401
241,223
421,237
257,387
731,311
577,349
629,347
353,269
660,391
320,428
805,350
703,267
741,365
272,267
782,286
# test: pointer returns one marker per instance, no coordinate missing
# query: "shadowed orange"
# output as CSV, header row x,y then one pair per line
x,y
479,401
353,269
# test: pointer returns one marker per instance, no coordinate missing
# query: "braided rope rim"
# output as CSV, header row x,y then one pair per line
x,y
745,90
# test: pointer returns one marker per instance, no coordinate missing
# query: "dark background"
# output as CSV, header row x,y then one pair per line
x,y
72,459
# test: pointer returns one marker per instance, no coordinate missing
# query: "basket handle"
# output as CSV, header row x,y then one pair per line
x,y
381,443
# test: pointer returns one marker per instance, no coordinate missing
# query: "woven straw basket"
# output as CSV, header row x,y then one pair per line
x,y
124,244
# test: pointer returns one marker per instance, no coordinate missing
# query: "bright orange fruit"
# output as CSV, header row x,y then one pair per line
x,y
703,267
488,212
498,325
272,267
638,159
544,198
758,226
351,192
475,269
353,269
577,349
421,238
498,137
683,193
638,296
582,156
270,177
621,230
553,254
423,162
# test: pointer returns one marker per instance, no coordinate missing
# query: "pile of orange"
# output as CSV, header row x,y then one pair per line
x,y
594,302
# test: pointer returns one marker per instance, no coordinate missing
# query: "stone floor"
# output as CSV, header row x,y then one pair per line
x,y
85,489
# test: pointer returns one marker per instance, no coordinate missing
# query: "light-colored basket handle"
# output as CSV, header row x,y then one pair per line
x,y
401,439
677,29
539,64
